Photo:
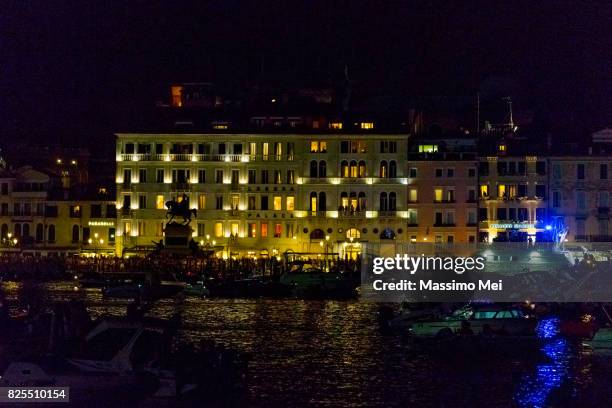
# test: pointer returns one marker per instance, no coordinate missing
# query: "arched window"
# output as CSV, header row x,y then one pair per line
x,y
317,234
392,169
39,232
322,201
75,233
51,233
392,201
313,168
25,232
322,169
17,231
353,169
384,202
353,201
4,231
384,169
362,169
353,233
344,203
344,169
361,201
387,233
313,202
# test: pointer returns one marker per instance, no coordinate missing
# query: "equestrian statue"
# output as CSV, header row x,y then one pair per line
x,y
176,208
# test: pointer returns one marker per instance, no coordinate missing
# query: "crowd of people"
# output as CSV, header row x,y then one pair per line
x,y
23,266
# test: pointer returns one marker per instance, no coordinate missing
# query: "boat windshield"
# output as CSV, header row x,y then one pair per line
x,y
498,314
461,314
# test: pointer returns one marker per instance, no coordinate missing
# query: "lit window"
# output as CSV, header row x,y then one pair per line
x,y
501,191
252,231
484,190
218,229
278,230
220,126
202,201
413,195
277,203
314,146
438,194
264,230
367,125
335,125
265,151
159,202
428,148
502,148
290,203
234,228
141,229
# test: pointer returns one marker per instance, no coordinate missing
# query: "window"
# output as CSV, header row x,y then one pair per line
x,y
366,125
413,195
428,148
580,171
501,191
484,191
290,203
314,168
603,199
438,192
471,172
235,201
471,194
335,125
159,176
580,200
471,217
234,229
556,170
278,178
264,177
540,214
264,230
556,199
252,230
278,230
219,202
384,169
201,229
392,169
159,202
354,170
142,201
218,229
541,167
392,201
278,150
412,217
344,169
111,211
235,177
313,202
344,146
141,229
603,171
362,169
251,202
322,169
39,232
291,176
75,211
413,172
265,151
501,213
142,175
277,203
221,148
252,177
264,202
438,173
387,146
290,151
201,176
540,191
252,148
219,176
51,233
383,202
75,233
450,173
202,201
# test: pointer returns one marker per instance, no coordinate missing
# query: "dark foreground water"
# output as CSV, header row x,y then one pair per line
x,y
332,353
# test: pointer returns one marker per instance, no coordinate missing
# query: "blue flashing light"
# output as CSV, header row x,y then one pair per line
x,y
548,227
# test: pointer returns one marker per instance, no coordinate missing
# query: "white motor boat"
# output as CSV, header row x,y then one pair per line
x,y
601,343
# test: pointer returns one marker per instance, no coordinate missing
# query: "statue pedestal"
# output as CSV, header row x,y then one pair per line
x,y
177,236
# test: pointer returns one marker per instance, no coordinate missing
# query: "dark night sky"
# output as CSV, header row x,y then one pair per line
x,y
82,68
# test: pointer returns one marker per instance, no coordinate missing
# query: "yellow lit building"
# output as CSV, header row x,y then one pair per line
x,y
265,193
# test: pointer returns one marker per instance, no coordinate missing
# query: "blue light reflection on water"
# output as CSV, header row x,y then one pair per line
x,y
535,388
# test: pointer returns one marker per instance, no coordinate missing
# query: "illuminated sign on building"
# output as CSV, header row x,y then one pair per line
x,y
524,225
101,224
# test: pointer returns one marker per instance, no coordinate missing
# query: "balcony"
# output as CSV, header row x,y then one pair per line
x,y
443,201
387,213
348,213
180,186
191,157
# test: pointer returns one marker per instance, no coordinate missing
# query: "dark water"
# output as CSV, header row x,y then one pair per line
x,y
332,353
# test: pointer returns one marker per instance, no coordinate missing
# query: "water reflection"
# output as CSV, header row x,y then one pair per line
x,y
332,353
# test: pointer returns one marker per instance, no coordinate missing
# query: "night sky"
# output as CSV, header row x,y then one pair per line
x,y
73,72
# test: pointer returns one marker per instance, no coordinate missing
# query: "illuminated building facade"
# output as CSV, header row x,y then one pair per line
x,y
442,191
38,216
265,193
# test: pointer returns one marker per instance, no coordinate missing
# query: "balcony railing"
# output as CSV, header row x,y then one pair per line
x,y
235,158
387,213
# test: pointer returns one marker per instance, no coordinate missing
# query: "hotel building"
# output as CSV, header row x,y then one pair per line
x,y
265,193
